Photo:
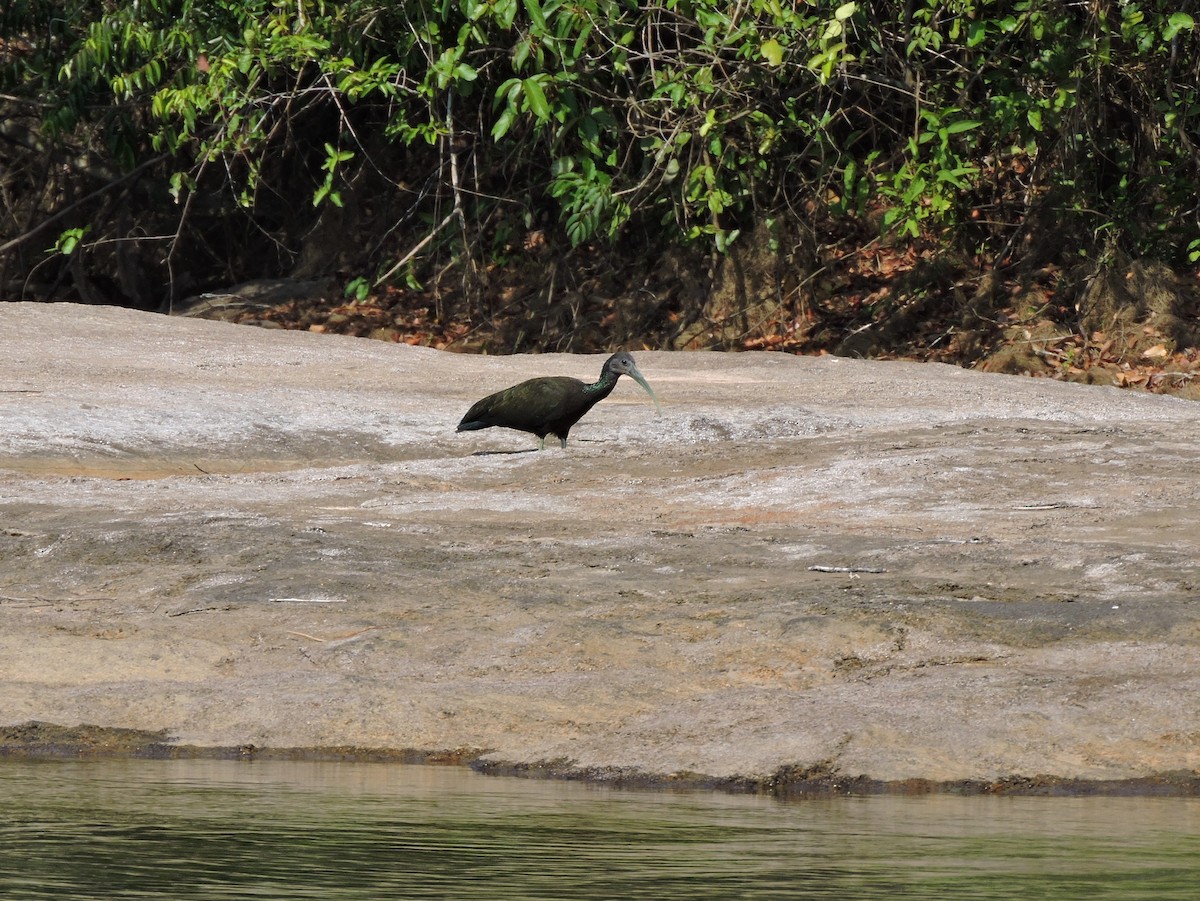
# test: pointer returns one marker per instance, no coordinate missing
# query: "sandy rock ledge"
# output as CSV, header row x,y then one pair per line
x,y
802,572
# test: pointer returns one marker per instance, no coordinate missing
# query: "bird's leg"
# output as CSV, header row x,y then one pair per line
x,y
542,443
562,442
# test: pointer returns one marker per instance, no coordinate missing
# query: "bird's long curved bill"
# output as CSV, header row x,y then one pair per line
x,y
641,380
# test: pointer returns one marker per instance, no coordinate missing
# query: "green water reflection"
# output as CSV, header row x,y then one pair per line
x,y
218,830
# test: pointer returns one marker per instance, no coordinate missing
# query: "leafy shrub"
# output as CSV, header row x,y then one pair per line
x,y
972,121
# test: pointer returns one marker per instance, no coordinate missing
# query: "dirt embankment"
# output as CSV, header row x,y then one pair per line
x,y
802,568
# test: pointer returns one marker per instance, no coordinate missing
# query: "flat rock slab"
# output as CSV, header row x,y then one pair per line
x,y
902,571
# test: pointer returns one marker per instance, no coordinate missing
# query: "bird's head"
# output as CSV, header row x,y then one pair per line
x,y
622,364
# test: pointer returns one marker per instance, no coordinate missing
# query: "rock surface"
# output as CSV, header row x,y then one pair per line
x,y
244,536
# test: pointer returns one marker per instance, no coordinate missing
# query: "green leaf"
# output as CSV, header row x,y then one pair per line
x,y
956,176
503,123
962,125
1176,23
179,181
359,289
536,98
772,51
508,92
845,11
520,53
69,240
535,15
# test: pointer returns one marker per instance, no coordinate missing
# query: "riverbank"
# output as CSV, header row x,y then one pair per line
x,y
843,570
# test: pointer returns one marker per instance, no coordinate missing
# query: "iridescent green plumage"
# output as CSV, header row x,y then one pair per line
x,y
552,404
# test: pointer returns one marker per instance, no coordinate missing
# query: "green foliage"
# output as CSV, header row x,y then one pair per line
x,y
691,119
69,240
333,158
357,289
936,172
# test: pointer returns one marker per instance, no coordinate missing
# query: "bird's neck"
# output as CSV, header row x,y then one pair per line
x,y
603,387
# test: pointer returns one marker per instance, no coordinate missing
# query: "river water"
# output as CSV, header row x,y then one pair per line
x,y
231,829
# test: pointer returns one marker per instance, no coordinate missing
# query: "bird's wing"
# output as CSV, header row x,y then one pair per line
x,y
533,403
528,406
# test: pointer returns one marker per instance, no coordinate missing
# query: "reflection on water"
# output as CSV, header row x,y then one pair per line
x,y
228,829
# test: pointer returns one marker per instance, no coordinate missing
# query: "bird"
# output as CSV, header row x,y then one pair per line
x,y
550,405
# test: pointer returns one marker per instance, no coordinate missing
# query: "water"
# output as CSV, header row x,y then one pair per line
x,y
229,829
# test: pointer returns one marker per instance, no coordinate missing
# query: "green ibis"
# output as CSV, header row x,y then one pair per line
x,y
552,404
